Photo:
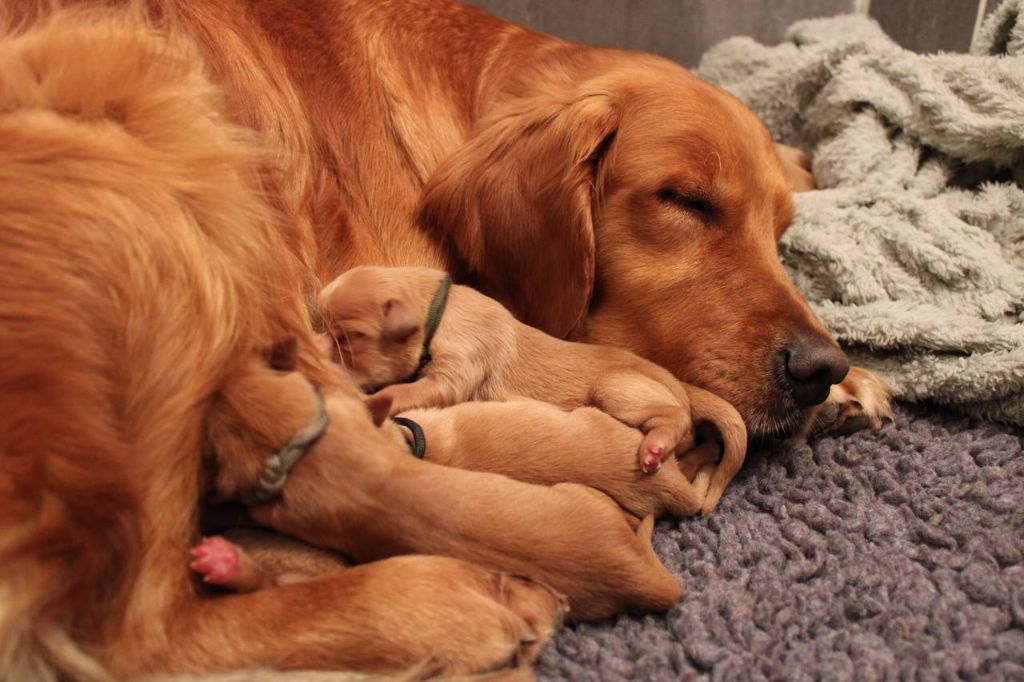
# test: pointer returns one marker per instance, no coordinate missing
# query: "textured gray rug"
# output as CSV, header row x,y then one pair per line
x,y
896,554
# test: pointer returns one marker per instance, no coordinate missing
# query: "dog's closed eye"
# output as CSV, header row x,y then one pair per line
x,y
697,205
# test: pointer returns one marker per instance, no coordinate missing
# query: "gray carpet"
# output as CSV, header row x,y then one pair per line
x,y
891,555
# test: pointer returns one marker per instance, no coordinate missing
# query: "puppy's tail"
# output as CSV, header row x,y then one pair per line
x,y
708,407
663,590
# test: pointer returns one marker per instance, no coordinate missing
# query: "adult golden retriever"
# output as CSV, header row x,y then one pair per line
x,y
177,178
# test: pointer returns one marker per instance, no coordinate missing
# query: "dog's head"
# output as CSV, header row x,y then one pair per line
x,y
373,319
616,198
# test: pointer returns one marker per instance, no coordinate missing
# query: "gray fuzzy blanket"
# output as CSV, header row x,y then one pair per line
x,y
912,252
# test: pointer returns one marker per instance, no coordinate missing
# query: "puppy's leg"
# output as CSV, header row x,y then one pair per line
x,y
861,401
285,559
662,415
673,491
224,563
430,391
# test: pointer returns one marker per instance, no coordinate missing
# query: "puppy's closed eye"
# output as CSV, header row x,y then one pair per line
x,y
350,340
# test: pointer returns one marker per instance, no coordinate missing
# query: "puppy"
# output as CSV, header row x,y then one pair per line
x,y
536,442
359,492
394,331
247,560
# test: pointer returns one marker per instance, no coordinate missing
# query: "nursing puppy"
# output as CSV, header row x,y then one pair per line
x,y
249,559
379,326
536,442
383,502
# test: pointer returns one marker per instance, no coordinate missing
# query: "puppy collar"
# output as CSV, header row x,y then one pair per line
x,y
418,444
275,471
434,313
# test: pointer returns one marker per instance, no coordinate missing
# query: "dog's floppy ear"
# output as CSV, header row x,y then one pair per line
x,y
516,204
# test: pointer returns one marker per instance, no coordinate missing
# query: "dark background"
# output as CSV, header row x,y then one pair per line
x,y
683,29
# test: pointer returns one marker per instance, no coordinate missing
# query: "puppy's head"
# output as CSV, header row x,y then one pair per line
x,y
373,319
616,198
260,406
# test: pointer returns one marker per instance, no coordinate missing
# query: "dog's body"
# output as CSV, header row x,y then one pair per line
x,y
177,182
377,320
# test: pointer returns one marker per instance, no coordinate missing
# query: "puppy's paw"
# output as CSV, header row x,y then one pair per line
x,y
224,563
542,608
702,484
670,436
691,462
861,401
652,451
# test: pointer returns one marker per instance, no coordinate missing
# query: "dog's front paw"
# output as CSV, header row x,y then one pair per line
x,y
861,401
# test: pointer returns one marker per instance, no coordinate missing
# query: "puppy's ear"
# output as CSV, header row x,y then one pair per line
x,y
516,204
379,406
399,322
283,355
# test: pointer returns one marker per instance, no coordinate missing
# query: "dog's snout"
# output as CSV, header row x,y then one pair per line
x,y
811,367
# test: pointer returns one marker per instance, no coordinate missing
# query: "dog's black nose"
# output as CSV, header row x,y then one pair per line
x,y
811,367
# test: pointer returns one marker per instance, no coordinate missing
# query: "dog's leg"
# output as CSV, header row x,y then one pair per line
x,y
446,615
861,401
651,407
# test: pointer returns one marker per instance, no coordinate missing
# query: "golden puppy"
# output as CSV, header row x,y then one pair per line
x,y
537,442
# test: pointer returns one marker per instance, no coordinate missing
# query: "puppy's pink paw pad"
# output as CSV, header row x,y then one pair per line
x,y
652,454
217,560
